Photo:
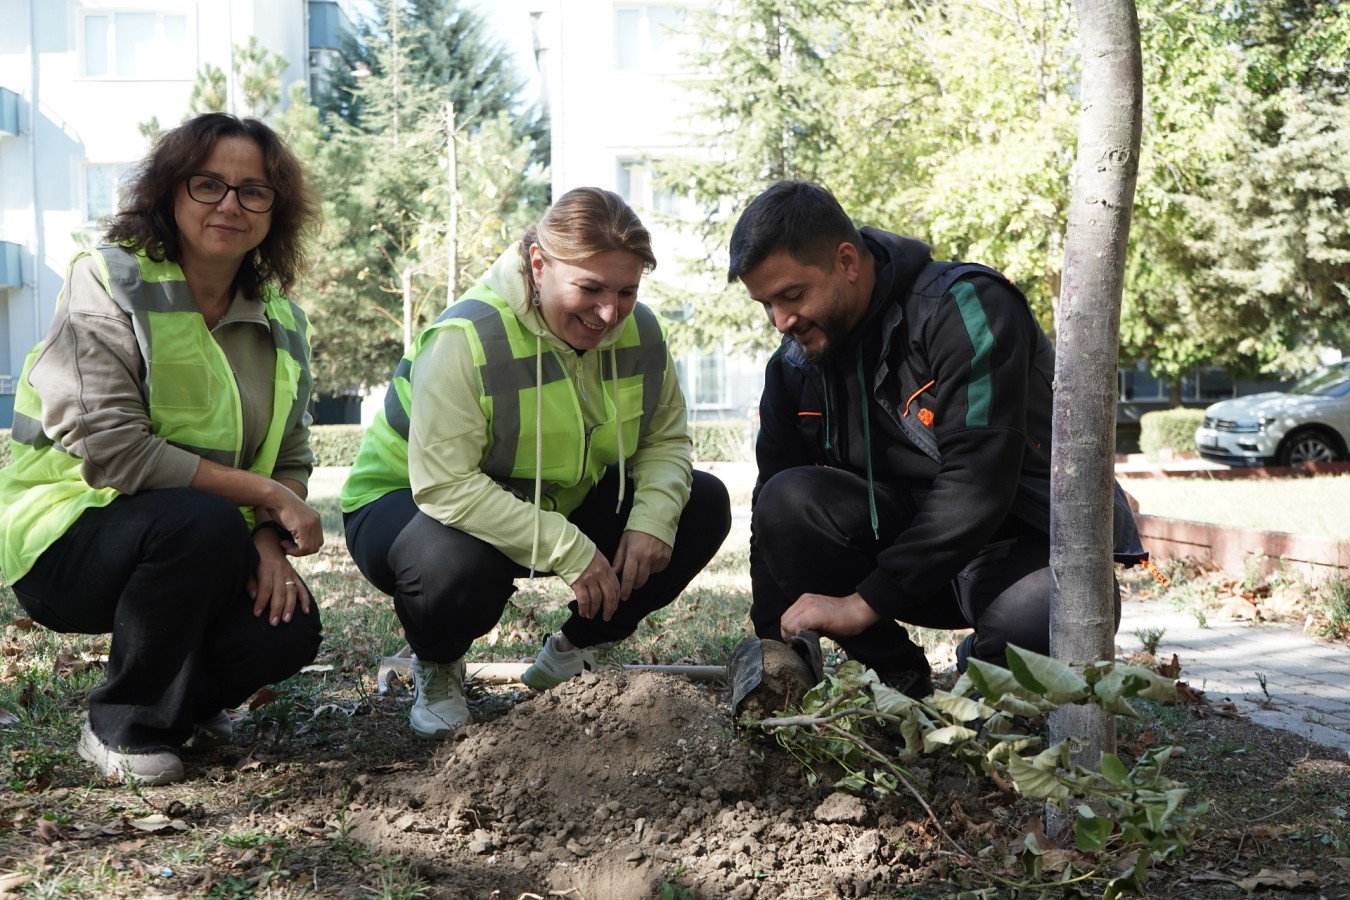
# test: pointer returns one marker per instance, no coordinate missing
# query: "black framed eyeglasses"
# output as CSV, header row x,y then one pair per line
x,y
256,198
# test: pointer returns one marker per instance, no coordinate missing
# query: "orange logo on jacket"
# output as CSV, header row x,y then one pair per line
x,y
926,416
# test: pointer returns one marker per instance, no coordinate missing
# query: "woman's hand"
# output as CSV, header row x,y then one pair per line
x,y
298,518
275,586
639,557
597,589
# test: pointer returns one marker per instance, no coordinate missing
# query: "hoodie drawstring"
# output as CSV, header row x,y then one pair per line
x,y
867,448
538,444
618,427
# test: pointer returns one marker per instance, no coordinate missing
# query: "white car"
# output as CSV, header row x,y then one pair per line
x,y
1308,423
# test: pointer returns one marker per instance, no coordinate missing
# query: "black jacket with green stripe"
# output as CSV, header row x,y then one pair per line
x,y
958,385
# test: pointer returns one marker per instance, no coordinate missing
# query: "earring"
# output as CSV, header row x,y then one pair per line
x,y
534,298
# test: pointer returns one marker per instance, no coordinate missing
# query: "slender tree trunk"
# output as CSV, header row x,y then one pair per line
x,y
1082,625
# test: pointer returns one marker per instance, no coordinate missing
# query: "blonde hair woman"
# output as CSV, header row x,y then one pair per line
x,y
536,427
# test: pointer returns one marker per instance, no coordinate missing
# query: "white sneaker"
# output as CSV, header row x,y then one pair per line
x,y
159,767
553,666
439,707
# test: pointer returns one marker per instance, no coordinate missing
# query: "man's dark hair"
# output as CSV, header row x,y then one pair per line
x,y
146,218
800,218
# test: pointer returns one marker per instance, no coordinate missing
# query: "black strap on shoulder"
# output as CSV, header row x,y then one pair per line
x,y
937,277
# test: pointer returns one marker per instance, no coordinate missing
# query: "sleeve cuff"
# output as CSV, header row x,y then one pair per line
x,y
880,592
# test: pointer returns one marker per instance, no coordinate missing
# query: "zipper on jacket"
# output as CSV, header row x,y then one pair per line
x,y
580,378
825,400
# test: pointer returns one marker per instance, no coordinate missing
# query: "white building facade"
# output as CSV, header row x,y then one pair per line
x,y
613,73
77,80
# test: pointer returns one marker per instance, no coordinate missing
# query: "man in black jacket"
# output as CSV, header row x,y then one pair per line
x,y
904,444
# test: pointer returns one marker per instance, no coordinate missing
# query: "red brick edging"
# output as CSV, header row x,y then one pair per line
x,y
1238,550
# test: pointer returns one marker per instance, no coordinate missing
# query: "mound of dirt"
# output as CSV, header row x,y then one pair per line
x,y
617,784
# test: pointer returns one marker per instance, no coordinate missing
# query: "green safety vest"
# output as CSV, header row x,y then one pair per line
x,y
193,402
505,353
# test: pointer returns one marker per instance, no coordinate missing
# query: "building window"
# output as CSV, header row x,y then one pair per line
x,y
703,380
710,387
648,37
136,45
640,183
103,184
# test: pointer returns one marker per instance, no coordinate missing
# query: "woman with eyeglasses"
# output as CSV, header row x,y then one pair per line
x,y
161,449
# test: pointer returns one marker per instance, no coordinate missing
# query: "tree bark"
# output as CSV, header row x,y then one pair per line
x,y
1082,623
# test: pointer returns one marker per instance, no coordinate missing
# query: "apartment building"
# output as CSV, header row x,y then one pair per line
x,y
613,77
78,78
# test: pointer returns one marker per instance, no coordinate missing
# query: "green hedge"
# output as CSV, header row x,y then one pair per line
x,y
1169,430
336,445
720,441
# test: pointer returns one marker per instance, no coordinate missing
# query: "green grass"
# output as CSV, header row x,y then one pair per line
x,y
45,678
1319,505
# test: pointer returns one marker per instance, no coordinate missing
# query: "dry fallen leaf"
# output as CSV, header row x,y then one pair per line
x,y
1170,669
1188,694
27,695
7,717
13,880
263,697
48,831
1279,878
157,823
1240,609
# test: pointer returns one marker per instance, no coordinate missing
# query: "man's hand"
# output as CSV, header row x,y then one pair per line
x,y
830,616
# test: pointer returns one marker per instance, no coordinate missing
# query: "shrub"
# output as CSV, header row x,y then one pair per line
x,y
722,441
1169,430
335,445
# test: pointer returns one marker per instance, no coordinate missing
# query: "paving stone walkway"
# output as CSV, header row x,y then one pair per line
x,y
1306,687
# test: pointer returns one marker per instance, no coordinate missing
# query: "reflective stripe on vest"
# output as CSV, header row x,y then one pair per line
x,y
186,379
506,353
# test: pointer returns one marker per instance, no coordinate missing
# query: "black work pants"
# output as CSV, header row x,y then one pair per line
x,y
813,532
450,588
165,572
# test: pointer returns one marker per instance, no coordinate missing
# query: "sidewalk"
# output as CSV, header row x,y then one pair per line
x,y
1307,681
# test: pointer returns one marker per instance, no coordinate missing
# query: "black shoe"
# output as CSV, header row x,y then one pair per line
x,y
963,652
910,682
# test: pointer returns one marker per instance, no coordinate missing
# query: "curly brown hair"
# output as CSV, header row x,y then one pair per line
x,y
146,220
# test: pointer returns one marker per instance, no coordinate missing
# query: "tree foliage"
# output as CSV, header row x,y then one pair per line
x,y
955,122
765,111
392,202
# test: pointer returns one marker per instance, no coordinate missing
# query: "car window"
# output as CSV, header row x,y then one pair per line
x,y
1333,381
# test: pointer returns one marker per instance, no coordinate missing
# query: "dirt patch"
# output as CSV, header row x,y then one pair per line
x,y
614,785
627,785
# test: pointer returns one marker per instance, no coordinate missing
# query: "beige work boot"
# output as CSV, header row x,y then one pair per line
x,y
439,707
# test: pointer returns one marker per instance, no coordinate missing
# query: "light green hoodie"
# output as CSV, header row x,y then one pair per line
x,y
449,435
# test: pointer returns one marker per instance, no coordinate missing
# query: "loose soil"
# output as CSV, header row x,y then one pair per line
x,y
623,786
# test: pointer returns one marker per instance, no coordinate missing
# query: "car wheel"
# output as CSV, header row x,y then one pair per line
x,y
1309,446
